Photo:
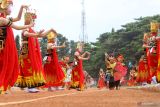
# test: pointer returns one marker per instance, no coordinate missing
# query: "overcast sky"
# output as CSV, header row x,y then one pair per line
x,y
101,15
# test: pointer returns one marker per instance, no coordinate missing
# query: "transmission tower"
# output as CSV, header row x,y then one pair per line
x,y
83,37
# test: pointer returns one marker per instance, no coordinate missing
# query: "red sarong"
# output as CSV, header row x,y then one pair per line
x,y
31,69
121,71
53,72
78,75
9,68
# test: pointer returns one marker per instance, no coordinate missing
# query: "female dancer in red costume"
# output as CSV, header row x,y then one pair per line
x,y
77,72
31,70
101,82
119,71
132,77
8,53
157,42
53,72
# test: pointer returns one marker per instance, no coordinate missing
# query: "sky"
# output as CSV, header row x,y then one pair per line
x,y
101,15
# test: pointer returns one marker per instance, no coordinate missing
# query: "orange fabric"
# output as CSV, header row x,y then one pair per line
x,y
151,61
121,71
158,58
101,82
9,68
78,75
53,72
31,69
142,72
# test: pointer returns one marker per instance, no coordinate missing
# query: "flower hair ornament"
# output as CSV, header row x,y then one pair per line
x,y
30,14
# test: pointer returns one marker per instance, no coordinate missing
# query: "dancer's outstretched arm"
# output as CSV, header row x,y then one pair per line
x,y
84,58
7,22
62,46
44,34
18,18
28,34
21,27
85,53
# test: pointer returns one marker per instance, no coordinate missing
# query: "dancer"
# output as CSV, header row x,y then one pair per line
x,y
31,70
110,64
67,68
8,53
120,70
101,82
53,72
132,77
77,72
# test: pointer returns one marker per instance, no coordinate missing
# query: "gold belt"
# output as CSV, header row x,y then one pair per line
x,y
1,44
24,42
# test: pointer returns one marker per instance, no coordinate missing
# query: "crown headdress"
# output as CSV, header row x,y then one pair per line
x,y
79,45
30,14
4,3
51,35
154,26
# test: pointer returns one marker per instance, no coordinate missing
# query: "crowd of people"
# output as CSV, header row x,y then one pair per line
x,y
116,71
27,71
148,67
146,71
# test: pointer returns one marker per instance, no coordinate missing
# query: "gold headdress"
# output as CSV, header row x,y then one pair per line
x,y
51,35
5,3
154,26
120,56
30,15
79,45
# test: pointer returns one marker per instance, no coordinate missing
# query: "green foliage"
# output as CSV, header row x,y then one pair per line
x,y
62,51
17,40
127,41
43,44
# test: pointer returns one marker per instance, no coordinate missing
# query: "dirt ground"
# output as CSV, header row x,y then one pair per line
x,y
92,97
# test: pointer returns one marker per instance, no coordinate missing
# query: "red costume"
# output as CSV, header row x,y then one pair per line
x,y
132,78
156,58
142,71
120,69
157,73
8,58
101,80
78,74
8,53
53,72
31,70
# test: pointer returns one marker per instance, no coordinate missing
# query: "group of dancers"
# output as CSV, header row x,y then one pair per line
x,y
116,71
27,69
149,63
147,70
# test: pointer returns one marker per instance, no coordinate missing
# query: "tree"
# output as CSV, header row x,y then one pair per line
x,y
17,40
127,41
62,51
43,44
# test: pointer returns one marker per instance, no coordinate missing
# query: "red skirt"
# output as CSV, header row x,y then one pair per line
x,y
121,71
101,83
53,72
29,77
8,62
132,81
78,77
143,72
